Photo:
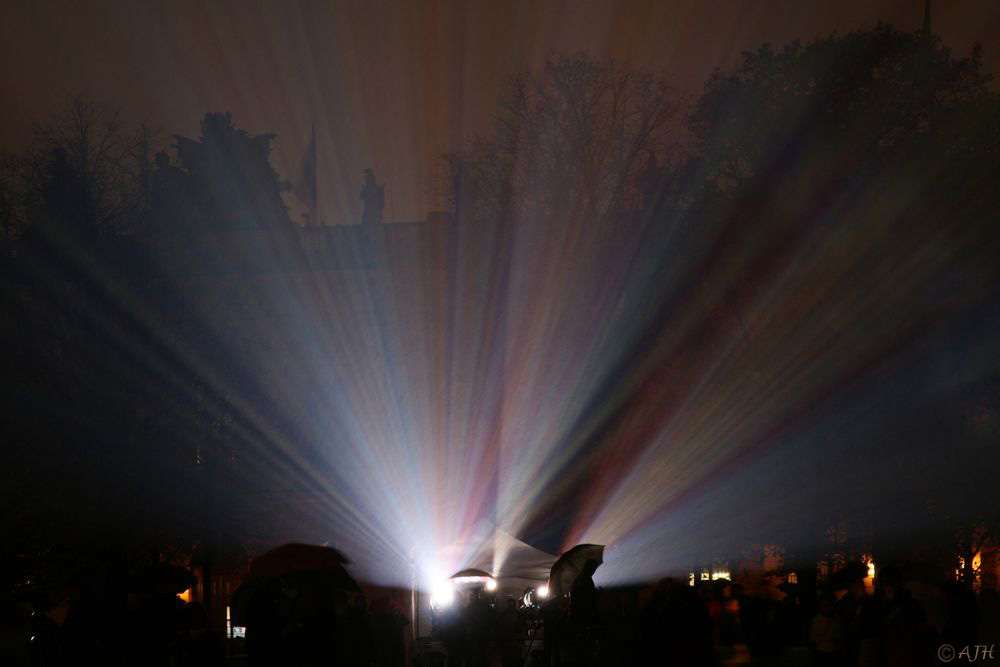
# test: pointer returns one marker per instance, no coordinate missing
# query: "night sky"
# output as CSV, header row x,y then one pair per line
x,y
390,85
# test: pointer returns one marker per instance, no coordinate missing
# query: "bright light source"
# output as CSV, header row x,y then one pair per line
x,y
442,595
870,575
491,584
542,592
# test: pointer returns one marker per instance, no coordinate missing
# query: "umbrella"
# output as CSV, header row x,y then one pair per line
x,y
296,558
319,584
570,565
471,573
161,580
295,567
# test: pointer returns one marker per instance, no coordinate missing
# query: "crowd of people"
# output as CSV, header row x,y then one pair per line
x,y
161,630
893,624
296,626
90,628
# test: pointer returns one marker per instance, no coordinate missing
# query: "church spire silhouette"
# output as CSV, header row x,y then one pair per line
x,y
927,18
306,185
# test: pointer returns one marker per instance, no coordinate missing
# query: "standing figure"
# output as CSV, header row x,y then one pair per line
x,y
373,195
584,617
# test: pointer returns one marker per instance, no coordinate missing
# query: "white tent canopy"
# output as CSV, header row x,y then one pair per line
x,y
514,564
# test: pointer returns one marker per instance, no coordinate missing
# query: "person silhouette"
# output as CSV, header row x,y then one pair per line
x,y
373,195
584,618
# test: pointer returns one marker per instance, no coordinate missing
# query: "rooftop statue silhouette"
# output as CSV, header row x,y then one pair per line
x,y
373,195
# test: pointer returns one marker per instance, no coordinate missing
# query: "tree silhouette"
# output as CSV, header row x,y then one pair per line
x,y
79,172
879,146
233,183
12,197
856,99
570,141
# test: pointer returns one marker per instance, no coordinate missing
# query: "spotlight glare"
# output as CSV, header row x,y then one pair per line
x,y
442,595
542,592
491,585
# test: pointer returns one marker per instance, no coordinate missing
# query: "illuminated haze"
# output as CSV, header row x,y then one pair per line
x,y
671,399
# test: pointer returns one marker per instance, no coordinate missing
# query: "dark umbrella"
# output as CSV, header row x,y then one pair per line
x,y
570,565
161,580
308,589
296,558
471,572
297,568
